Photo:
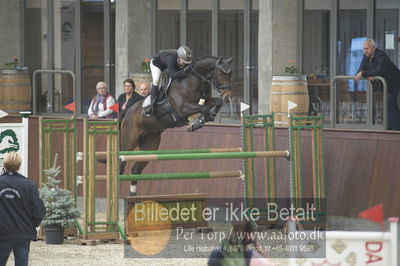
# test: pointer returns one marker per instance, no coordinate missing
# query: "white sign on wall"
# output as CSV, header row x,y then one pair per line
x,y
389,41
14,137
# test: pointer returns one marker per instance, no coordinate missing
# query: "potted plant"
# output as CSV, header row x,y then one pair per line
x,y
60,206
144,76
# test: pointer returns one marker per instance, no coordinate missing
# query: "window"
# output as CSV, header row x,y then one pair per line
x,y
230,43
199,27
168,24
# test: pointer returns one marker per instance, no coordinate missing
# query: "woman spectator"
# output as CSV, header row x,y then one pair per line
x,y
101,102
21,210
128,98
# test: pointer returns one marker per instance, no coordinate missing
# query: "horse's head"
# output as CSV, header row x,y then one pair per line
x,y
222,78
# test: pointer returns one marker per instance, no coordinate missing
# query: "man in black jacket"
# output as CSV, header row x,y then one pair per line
x,y
376,63
21,211
176,62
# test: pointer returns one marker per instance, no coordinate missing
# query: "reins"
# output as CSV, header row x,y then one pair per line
x,y
212,81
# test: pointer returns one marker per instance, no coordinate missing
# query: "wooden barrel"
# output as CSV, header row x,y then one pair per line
x,y
289,88
140,78
15,91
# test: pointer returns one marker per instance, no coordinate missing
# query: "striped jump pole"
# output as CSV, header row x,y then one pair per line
x,y
315,126
63,132
202,156
251,124
93,228
102,154
222,174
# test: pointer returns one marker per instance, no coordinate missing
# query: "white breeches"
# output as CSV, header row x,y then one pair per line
x,y
155,73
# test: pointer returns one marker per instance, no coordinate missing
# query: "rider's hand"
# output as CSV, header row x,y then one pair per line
x,y
188,68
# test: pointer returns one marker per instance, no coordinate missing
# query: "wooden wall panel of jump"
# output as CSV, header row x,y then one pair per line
x,y
362,167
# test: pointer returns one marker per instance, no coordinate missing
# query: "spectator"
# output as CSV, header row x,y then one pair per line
x,y
21,211
144,89
101,102
128,98
176,62
376,63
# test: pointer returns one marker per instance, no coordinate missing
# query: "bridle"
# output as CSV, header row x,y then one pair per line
x,y
211,79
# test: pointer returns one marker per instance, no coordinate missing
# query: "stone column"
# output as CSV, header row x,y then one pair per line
x,y
132,38
284,36
10,31
121,44
277,44
264,56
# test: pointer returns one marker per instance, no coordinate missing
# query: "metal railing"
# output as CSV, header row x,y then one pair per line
x,y
369,103
50,90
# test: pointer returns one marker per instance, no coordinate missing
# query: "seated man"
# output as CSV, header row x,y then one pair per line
x,y
143,89
178,65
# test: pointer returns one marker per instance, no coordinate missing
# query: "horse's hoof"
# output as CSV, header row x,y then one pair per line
x,y
194,126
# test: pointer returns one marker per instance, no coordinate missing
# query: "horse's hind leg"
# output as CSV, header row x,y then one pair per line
x,y
150,141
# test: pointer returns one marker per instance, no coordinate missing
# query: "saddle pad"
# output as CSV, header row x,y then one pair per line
x,y
147,101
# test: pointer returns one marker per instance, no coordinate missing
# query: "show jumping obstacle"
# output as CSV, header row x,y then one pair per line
x,y
66,129
111,229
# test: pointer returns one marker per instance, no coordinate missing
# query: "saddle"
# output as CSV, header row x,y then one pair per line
x,y
163,110
164,84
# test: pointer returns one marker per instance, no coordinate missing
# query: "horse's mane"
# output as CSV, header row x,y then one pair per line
x,y
208,61
205,57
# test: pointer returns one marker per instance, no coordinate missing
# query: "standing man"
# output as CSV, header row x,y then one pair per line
x,y
376,63
21,211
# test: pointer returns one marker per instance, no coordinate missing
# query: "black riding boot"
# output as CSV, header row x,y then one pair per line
x,y
148,110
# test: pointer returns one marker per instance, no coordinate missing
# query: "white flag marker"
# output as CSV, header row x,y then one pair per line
x,y
243,107
290,106
3,114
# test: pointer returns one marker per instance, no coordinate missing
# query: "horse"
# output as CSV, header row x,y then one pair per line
x,y
181,101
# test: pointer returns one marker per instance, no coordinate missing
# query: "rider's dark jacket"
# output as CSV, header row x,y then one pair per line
x,y
21,209
168,59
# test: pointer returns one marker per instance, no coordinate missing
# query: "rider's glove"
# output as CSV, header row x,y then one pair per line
x,y
188,68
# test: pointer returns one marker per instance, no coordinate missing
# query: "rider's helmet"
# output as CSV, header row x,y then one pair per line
x,y
185,53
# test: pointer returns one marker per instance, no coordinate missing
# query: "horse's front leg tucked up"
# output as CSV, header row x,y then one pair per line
x,y
215,105
201,112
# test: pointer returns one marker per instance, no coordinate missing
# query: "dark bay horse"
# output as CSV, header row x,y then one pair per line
x,y
144,133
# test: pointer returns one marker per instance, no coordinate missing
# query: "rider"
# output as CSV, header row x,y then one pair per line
x,y
178,64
